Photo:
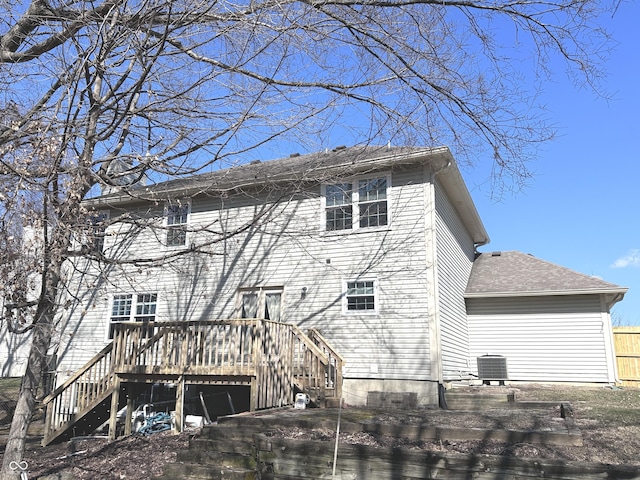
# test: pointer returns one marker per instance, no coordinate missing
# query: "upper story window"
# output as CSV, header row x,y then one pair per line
x,y
360,296
134,308
96,228
372,202
339,206
177,219
261,302
361,203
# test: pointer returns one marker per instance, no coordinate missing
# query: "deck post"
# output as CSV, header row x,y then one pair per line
x,y
180,404
128,420
253,400
48,422
115,401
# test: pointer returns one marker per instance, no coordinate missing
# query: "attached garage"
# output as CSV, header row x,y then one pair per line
x,y
551,324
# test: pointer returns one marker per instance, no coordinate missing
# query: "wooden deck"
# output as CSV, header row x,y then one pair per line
x,y
274,359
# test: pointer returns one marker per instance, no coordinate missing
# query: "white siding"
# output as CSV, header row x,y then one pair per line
x,y
552,338
455,250
14,352
287,250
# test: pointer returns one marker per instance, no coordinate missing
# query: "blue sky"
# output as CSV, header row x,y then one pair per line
x,y
582,208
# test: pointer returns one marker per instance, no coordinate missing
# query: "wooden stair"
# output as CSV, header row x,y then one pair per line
x,y
83,402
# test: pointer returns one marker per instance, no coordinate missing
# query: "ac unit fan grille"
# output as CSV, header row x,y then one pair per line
x,y
492,367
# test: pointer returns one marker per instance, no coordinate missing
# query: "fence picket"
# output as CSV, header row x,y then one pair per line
x,y
627,346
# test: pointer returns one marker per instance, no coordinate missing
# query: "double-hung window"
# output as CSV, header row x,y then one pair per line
x,y
339,206
261,302
372,202
177,219
361,203
360,296
134,308
95,232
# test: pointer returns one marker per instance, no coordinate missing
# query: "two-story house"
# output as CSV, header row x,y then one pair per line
x,y
374,248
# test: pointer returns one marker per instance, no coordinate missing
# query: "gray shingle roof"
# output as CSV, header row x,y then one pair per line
x,y
302,170
515,273
311,167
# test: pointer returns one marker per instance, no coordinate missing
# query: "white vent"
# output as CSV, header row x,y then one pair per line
x,y
492,367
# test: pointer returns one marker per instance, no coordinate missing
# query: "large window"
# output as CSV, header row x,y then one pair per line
x,y
361,203
177,219
360,296
134,308
264,303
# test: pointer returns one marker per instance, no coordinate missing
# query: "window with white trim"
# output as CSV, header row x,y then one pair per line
x,y
139,307
261,302
176,221
360,296
97,228
361,203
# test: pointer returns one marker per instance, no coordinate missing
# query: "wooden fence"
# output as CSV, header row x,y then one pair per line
x,y
627,345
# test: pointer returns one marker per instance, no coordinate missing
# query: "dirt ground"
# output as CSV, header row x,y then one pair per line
x,y
608,419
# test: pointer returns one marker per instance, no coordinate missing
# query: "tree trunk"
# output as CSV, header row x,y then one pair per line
x,y
25,407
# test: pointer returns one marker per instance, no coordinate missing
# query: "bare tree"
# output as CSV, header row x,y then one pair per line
x,y
109,94
618,318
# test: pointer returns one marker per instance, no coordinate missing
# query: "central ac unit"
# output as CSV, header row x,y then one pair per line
x,y
492,367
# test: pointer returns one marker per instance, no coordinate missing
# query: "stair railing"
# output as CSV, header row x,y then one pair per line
x,y
334,369
314,367
288,358
79,393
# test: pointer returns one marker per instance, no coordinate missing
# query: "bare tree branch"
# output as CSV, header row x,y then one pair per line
x,y
113,94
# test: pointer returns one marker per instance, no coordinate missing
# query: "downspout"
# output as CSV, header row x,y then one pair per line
x,y
434,310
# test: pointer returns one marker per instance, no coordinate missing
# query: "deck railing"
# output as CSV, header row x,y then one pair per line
x,y
274,357
195,348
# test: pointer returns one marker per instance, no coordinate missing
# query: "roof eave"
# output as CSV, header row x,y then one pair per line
x,y
541,293
456,188
439,157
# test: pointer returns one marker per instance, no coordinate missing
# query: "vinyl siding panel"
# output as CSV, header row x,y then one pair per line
x,y
552,338
455,250
287,249
14,353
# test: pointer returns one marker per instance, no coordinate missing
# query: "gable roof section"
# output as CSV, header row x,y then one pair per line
x,y
312,168
507,274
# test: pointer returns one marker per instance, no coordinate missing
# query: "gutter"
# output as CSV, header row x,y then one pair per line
x,y
619,292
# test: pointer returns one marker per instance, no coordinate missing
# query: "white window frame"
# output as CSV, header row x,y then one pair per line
x,y
171,228
346,285
261,306
355,203
136,300
92,239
